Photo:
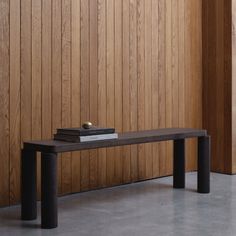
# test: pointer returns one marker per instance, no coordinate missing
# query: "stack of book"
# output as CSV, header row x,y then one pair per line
x,y
85,135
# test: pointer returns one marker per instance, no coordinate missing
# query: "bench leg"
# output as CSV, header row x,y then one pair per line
x,y
179,164
49,216
28,185
204,164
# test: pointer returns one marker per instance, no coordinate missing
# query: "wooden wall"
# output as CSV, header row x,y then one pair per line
x,y
218,83
131,64
233,54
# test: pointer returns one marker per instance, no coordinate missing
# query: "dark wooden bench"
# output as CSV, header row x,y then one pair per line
x,y
50,148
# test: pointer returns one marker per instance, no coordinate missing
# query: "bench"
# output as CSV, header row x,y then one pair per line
x,y
50,148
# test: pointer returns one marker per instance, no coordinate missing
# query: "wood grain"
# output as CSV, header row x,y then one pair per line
x,y
4,101
133,85
155,83
126,138
14,102
166,161
118,89
141,84
56,75
126,88
26,102
75,88
131,64
110,38
46,68
218,25
148,84
85,95
66,91
181,62
228,43
188,75
93,87
102,87
37,81
162,80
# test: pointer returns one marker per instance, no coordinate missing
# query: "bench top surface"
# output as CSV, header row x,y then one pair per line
x,y
127,138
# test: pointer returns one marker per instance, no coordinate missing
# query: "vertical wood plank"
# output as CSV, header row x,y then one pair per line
x,y
148,84
175,63
110,37
66,90
75,87
162,80
26,93
229,94
14,101
4,101
189,75
102,87
26,71
46,76
155,83
133,85
181,54
218,36
126,89
197,73
57,76
187,71
230,44
141,84
84,87
46,68
93,86
36,81
118,88
166,162
174,68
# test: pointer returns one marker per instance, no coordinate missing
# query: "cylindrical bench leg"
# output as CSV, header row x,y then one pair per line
x,y
49,190
179,164
204,164
28,185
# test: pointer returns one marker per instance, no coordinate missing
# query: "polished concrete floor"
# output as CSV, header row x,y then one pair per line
x,y
141,209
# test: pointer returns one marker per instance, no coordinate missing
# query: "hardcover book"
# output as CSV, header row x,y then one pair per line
x,y
86,138
84,132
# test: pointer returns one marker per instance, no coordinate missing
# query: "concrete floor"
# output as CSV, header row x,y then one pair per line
x,y
142,209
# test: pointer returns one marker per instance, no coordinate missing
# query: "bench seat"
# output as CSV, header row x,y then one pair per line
x,y
50,148
127,138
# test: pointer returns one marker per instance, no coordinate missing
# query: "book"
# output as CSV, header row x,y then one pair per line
x,y
84,132
86,138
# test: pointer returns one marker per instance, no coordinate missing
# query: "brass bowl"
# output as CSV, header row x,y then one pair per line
x,y
87,125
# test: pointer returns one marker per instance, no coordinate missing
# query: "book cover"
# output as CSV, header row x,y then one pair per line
x,y
84,132
86,138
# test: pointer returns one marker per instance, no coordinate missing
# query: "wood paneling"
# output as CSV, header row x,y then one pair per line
x,y
14,102
37,79
125,89
102,87
110,77
85,94
75,90
131,64
118,89
56,75
66,174
231,42
4,101
218,99
93,87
